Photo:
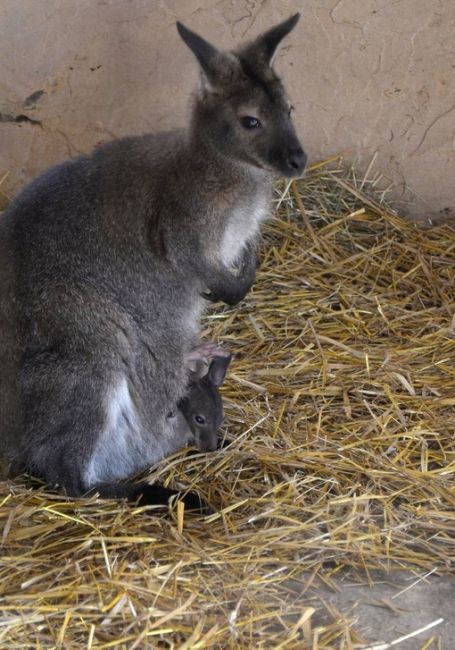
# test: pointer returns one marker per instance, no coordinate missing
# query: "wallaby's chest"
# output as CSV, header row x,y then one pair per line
x,y
242,226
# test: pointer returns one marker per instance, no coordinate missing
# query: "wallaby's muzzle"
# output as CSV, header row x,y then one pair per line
x,y
286,155
296,161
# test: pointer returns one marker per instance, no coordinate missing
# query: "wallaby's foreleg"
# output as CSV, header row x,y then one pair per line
x,y
225,286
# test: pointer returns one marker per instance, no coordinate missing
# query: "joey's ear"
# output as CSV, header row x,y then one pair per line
x,y
197,368
265,46
218,68
218,368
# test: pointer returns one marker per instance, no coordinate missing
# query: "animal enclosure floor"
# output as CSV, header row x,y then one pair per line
x,y
396,609
337,470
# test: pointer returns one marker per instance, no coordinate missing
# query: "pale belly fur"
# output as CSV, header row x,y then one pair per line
x,y
243,226
127,445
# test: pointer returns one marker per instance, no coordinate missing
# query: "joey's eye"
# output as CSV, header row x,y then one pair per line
x,y
199,419
249,122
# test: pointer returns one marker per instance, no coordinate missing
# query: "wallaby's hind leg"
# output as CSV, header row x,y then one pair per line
x,y
142,494
82,432
64,414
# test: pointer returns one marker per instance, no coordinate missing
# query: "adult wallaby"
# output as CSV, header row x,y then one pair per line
x,y
107,261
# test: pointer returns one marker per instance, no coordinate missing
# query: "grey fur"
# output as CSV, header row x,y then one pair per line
x,y
106,263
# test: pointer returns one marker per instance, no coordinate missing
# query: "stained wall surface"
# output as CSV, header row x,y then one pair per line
x,y
369,79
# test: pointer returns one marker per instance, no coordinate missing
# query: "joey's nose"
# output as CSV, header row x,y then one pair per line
x,y
297,159
209,444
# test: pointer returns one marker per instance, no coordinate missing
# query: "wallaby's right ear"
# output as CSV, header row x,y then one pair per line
x,y
218,67
218,369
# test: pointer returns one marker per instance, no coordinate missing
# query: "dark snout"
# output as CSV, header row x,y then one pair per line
x,y
290,158
207,443
296,161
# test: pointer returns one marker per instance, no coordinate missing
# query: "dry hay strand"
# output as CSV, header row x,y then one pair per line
x,y
339,452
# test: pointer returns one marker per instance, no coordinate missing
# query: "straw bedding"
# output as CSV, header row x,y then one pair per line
x,y
339,451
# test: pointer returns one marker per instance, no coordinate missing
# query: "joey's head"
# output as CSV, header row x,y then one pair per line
x,y
203,406
241,107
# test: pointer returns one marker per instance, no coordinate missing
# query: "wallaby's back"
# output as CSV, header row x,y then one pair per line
x,y
10,343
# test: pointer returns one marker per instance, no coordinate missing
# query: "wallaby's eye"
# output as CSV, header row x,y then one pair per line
x,y
249,122
199,419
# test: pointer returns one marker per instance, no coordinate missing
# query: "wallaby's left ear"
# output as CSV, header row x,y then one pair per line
x,y
266,45
218,368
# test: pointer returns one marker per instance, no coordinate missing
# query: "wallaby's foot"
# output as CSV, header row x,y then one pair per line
x,y
145,494
157,494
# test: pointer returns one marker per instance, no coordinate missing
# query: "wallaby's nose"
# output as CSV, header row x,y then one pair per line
x,y
296,160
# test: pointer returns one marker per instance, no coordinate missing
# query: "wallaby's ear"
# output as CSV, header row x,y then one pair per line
x,y
218,368
202,50
266,45
197,368
218,67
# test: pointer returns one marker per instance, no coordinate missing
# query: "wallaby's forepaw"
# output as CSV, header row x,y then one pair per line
x,y
229,297
248,265
246,276
225,286
249,255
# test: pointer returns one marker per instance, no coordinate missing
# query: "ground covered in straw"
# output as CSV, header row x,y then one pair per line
x,y
340,421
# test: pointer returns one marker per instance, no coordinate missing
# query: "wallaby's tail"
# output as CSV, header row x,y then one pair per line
x,y
150,495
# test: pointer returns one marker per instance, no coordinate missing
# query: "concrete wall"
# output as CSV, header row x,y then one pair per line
x,y
366,77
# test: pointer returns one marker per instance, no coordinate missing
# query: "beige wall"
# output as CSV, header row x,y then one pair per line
x,y
366,77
